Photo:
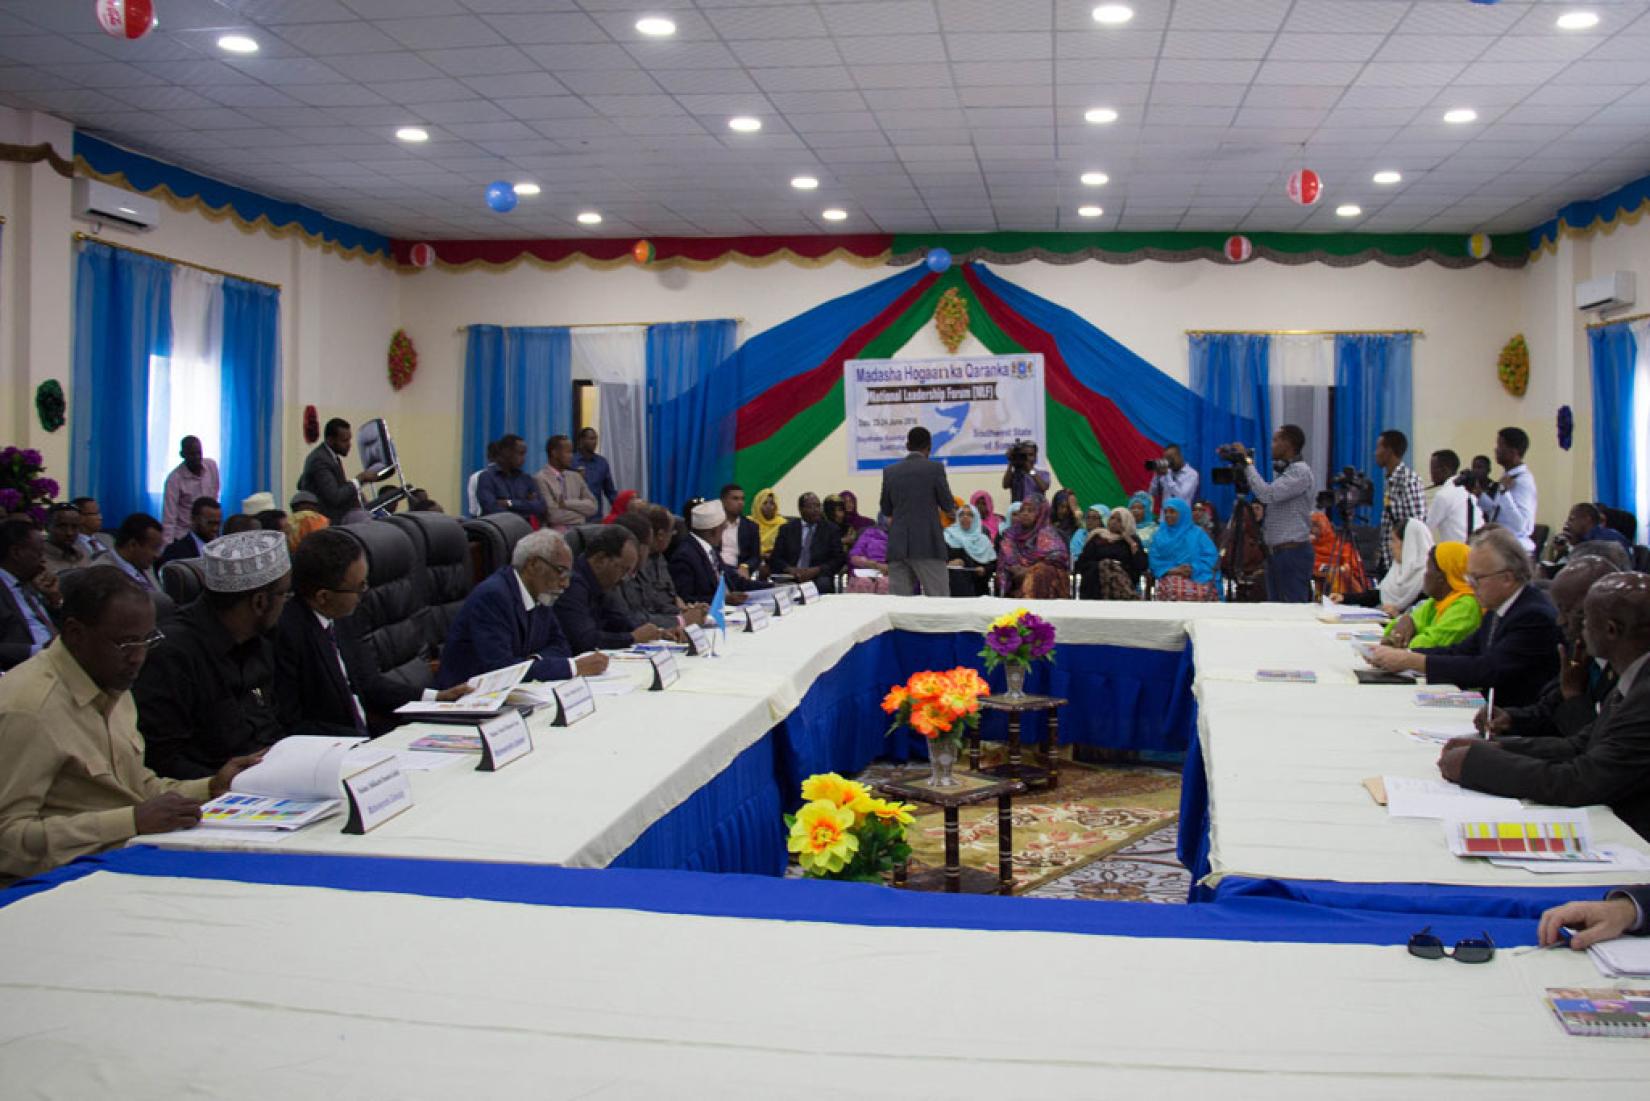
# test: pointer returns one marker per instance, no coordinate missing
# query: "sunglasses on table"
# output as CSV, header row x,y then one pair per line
x,y
1428,946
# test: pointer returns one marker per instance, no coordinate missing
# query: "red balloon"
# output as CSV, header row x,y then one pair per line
x,y
421,255
128,19
1239,249
1305,187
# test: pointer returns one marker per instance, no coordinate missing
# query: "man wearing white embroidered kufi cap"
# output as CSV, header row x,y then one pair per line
x,y
205,694
696,563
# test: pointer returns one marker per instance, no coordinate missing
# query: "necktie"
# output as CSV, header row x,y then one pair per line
x,y
354,703
39,610
1493,621
807,542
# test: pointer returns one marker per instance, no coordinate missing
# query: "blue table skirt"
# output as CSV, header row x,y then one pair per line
x,y
1257,916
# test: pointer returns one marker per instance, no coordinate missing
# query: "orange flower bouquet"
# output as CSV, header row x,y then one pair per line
x,y
941,707
844,832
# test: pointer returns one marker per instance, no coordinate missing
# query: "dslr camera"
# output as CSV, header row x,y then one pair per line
x,y
1157,466
1019,454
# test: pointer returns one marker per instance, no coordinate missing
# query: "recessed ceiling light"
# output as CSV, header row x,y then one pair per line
x,y
238,44
589,218
1090,211
1577,21
1113,15
1095,179
1389,177
745,124
834,214
1348,210
527,189
656,26
413,133
804,183
1460,115
1100,115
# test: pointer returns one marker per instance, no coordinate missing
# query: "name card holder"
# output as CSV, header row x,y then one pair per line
x,y
503,740
782,600
807,592
756,618
376,794
574,701
698,640
665,670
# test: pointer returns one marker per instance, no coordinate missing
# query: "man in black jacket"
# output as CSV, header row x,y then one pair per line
x,y
914,494
1515,649
810,548
695,560
205,522
325,681
589,619
324,474
1606,762
742,540
26,622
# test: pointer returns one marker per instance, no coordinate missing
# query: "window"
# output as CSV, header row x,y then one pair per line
x,y
183,401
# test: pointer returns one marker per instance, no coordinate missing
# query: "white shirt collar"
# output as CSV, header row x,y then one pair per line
x,y
527,601
326,624
1511,600
1625,684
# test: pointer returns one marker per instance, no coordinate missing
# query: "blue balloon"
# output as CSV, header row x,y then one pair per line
x,y
938,260
501,196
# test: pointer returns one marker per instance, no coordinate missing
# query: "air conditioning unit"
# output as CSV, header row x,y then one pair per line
x,y
1608,292
110,205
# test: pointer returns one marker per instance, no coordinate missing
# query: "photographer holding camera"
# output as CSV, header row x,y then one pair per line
x,y
1023,478
1172,476
1288,498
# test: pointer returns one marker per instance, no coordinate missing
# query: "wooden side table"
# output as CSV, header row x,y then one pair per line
x,y
975,788
1046,776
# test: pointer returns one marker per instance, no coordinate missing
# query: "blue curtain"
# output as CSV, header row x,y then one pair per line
x,y
691,422
250,416
517,380
1614,352
1373,392
122,316
1232,373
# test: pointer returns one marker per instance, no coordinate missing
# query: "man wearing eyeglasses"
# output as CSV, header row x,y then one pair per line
x,y
72,777
509,619
1515,649
207,693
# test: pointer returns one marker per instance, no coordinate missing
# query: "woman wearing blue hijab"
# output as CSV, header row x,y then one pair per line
x,y
1145,524
970,554
1183,558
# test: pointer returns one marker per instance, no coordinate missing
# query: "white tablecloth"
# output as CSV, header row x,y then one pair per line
x,y
148,987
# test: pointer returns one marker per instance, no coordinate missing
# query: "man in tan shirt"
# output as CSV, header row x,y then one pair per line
x,y
72,777
567,500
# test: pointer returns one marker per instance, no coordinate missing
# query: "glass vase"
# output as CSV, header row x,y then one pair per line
x,y
1016,677
942,758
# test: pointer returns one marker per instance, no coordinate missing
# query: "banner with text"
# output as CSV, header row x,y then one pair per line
x,y
974,406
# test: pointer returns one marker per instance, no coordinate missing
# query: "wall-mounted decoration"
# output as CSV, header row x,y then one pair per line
x,y
403,359
951,319
1514,366
312,425
1566,427
49,404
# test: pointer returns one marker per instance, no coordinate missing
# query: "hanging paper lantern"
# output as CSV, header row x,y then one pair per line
x,y
421,255
128,19
1478,246
501,196
1305,187
938,260
1239,249
643,252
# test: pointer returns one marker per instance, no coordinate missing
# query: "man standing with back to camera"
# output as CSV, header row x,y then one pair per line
x,y
1288,526
914,493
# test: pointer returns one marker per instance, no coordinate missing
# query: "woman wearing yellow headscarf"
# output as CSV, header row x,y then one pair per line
x,y
1451,611
765,511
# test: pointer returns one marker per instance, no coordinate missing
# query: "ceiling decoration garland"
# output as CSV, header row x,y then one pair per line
x,y
1340,250
34,154
691,253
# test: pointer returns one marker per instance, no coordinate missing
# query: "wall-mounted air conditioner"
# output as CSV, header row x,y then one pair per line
x,y
115,206
1608,292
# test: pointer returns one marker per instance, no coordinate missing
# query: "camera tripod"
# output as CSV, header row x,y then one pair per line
x,y
1334,576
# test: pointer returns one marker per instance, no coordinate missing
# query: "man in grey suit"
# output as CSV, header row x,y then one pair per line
x,y
324,474
914,493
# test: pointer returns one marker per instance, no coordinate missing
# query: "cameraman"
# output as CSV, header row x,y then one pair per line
x,y
1023,478
1172,476
1288,526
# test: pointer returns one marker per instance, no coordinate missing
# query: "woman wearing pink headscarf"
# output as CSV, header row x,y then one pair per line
x,y
1034,562
985,510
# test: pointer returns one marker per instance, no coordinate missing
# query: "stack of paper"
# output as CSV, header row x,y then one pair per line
x,y
299,781
1605,858
1330,612
489,693
1407,798
1438,697
1622,958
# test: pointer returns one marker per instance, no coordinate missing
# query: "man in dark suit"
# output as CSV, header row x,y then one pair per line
x,y
696,562
325,683
1608,761
1515,649
1624,910
741,543
914,493
810,548
508,619
324,475
26,624
589,618
205,524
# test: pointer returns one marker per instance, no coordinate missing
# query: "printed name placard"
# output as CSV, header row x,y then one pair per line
x,y
503,740
376,794
807,592
782,600
574,701
698,640
665,670
756,617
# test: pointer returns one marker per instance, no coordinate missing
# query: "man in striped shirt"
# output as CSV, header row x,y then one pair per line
x,y
1404,499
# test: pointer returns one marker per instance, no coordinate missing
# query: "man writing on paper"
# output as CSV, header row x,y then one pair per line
x,y
648,594
1607,761
589,619
1515,649
509,619
914,494
72,777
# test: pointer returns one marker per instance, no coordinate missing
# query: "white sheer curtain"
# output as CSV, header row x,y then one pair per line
x,y
184,387
615,359
1641,433
1303,374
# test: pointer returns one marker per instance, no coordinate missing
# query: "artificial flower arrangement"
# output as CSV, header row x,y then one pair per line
x,y
1018,639
403,359
24,488
845,832
939,706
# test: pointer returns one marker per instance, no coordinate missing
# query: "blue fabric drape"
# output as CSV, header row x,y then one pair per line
x,y
1373,392
692,409
250,442
516,380
1614,353
1232,373
122,317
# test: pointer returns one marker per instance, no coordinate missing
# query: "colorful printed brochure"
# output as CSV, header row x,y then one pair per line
x,y
1528,835
1438,697
1604,1012
261,812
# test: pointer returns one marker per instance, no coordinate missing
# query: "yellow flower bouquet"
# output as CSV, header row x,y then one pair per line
x,y
845,832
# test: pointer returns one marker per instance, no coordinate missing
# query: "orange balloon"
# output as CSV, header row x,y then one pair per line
x,y
642,252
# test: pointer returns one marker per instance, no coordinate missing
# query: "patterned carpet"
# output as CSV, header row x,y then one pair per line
x,y
1107,832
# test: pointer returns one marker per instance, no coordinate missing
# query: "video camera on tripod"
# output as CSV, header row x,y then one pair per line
x,y
1236,456
1353,489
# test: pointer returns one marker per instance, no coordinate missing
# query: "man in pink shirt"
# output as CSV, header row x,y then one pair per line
x,y
194,477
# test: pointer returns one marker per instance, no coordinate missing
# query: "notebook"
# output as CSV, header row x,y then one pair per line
x,y
1623,1013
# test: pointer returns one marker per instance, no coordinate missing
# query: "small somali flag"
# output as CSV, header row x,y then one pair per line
x,y
719,602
